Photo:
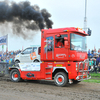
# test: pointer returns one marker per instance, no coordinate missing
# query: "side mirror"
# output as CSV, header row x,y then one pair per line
x,y
58,35
89,32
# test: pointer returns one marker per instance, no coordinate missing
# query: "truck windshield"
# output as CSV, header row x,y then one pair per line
x,y
78,42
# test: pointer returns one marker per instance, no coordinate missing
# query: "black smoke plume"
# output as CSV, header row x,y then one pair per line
x,y
23,15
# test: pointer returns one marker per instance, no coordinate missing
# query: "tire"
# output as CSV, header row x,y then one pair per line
x,y
36,60
76,82
15,75
61,79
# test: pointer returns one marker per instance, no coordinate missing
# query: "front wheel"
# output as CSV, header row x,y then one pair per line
x,y
15,75
61,79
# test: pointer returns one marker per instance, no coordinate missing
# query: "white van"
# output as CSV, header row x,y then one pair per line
x,y
29,55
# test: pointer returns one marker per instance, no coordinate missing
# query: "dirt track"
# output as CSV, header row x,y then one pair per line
x,y
46,90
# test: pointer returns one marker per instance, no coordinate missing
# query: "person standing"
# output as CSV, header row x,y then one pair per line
x,y
89,53
95,65
90,64
98,62
1,59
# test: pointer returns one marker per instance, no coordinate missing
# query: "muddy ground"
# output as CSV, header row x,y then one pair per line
x,y
46,90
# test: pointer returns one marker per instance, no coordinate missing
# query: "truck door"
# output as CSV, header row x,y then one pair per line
x,y
60,52
33,54
49,48
25,55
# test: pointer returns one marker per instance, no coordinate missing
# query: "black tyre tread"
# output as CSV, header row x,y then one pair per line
x,y
19,78
65,77
36,60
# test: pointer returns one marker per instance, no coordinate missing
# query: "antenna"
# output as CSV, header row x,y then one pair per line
x,y
85,18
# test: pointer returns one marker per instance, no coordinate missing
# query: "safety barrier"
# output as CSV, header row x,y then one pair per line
x,y
3,68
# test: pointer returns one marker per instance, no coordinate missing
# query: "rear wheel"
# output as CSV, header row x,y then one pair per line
x,y
15,75
61,79
36,60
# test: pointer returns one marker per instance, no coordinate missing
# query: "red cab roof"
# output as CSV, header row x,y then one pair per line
x,y
70,29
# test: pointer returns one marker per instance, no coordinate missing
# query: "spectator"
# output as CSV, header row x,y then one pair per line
x,y
0,55
92,52
95,65
98,59
4,59
90,64
11,52
89,53
98,51
95,56
18,51
99,67
98,62
1,59
7,60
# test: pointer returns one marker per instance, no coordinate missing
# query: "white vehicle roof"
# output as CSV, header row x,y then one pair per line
x,y
34,45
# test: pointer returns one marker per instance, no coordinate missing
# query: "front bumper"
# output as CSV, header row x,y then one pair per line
x,y
83,77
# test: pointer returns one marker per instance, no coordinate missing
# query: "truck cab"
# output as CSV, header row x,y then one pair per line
x,y
74,45
30,54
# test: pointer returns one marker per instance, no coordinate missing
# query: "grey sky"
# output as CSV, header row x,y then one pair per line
x,y
65,13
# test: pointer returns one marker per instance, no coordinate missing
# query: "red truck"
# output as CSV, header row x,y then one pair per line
x,y
63,56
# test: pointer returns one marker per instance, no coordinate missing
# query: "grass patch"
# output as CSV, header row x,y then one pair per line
x,y
95,75
92,81
95,78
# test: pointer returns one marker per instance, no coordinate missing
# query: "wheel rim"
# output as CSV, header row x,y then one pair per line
x,y
15,76
60,79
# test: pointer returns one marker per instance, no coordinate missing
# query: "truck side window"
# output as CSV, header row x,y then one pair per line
x,y
59,41
34,49
49,44
27,51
